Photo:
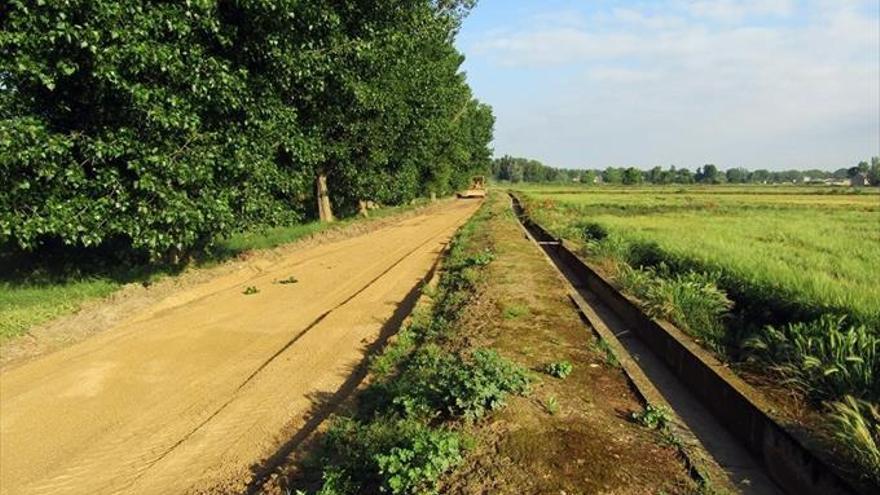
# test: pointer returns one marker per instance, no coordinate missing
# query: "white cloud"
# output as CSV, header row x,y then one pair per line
x,y
731,11
732,90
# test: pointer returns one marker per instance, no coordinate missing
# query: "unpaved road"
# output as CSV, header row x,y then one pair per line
x,y
194,393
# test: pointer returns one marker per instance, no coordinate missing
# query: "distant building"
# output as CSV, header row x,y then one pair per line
x,y
859,180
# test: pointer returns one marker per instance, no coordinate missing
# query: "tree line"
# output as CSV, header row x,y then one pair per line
x,y
158,126
514,169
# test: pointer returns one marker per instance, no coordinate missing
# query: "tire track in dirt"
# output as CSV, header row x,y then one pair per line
x,y
193,395
286,346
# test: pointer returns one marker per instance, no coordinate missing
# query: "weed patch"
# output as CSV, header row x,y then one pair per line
x,y
653,417
826,358
559,369
513,311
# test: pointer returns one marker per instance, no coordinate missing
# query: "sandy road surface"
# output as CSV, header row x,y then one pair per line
x,y
194,393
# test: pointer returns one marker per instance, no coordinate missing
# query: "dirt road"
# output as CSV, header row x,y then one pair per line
x,y
193,394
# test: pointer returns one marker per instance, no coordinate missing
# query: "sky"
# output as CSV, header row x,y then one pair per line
x,y
771,84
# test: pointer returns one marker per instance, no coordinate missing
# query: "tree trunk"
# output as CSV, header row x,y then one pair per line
x,y
325,213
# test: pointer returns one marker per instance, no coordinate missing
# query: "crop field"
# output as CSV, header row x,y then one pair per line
x,y
779,280
815,251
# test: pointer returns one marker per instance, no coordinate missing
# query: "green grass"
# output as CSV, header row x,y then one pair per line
x,y
24,306
802,251
35,291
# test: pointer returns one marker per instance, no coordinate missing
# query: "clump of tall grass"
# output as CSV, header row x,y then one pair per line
x,y
827,358
691,300
856,424
694,302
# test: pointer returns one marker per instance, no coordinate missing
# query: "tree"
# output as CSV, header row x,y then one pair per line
x,y
708,174
157,126
684,176
874,171
632,175
612,175
760,176
588,177
737,175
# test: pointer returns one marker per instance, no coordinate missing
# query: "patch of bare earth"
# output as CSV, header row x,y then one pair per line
x,y
570,435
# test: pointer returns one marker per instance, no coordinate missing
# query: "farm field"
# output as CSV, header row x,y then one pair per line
x,y
814,249
779,281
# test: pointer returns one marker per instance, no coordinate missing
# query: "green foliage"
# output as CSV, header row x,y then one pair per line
x,y
694,302
559,369
250,290
513,311
159,127
592,231
551,405
289,280
399,456
452,385
610,358
691,300
653,417
826,358
856,423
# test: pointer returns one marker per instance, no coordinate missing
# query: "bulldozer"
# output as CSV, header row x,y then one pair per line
x,y
477,189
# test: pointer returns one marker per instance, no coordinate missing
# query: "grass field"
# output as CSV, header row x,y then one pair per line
x,y
802,249
781,280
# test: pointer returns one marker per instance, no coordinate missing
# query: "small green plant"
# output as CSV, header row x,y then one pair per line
x,y
289,280
454,385
856,423
653,417
559,369
482,258
551,405
250,290
513,311
610,357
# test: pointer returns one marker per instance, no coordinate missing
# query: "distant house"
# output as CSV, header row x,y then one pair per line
x,y
859,180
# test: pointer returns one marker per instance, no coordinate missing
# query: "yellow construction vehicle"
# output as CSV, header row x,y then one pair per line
x,y
477,189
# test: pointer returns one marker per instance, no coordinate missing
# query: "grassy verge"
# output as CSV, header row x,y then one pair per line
x,y
824,346
33,291
574,433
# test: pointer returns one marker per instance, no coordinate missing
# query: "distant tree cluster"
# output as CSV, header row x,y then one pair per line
x,y
512,169
524,170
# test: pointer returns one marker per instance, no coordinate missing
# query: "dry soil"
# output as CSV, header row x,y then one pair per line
x,y
193,393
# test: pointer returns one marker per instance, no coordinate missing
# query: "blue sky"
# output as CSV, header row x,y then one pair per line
x,y
757,83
